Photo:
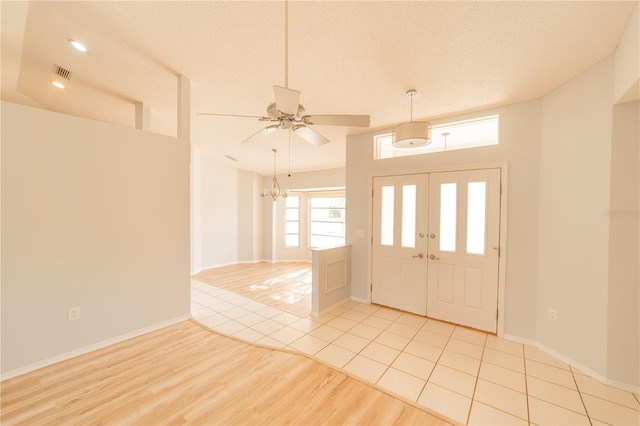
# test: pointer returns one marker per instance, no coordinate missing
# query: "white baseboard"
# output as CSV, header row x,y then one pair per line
x,y
357,299
91,348
599,377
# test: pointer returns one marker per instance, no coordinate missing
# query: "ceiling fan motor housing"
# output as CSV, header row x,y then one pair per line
x,y
275,114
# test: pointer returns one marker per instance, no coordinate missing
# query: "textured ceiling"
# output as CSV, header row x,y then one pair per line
x,y
346,57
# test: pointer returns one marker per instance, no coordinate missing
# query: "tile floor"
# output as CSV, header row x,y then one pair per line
x,y
468,376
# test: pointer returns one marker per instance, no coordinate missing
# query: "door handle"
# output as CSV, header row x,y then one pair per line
x,y
418,256
433,257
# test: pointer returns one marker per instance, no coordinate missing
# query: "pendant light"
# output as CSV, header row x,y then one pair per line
x,y
414,133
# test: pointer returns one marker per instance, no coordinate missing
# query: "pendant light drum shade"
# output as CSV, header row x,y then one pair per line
x,y
412,134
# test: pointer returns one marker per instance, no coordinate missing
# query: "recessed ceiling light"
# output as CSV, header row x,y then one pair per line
x,y
78,45
58,84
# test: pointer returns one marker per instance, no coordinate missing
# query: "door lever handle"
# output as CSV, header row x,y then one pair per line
x,y
418,256
433,257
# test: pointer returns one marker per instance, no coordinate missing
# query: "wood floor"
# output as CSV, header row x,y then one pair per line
x,y
285,285
185,374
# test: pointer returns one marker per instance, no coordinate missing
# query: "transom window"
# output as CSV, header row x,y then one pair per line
x,y
482,131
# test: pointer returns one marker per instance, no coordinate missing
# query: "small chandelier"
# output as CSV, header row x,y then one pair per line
x,y
413,133
274,190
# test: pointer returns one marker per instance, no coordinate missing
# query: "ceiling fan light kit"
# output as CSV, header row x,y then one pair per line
x,y
414,133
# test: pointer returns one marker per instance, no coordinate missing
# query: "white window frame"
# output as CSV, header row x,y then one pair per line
x,y
326,194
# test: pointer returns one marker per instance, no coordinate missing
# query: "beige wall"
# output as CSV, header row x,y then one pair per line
x,y
575,170
94,216
623,325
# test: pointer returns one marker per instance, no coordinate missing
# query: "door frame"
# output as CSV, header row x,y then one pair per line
x,y
502,271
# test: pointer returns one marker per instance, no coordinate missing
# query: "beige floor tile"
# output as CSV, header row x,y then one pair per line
x,y
465,348
351,342
412,320
482,414
460,362
551,374
610,412
543,413
367,309
402,383
338,310
387,313
503,376
326,333
213,321
431,338
502,398
250,319
555,394
268,326
392,340
377,322
287,335
308,344
350,304
439,327
365,368
500,344
249,335
341,323
380,353
273,343
446,402
269,312
538,355
413,365
402,329
468,335
335,355
365,331
324,318
305,324
593,387
423,350
236,312
503,359
230,328
454,380
285,318
354,315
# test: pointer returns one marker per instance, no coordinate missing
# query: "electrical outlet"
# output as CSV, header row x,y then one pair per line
x,y
74,313
552,314
360,234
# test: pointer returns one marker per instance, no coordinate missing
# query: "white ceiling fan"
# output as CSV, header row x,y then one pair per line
x,y
286,112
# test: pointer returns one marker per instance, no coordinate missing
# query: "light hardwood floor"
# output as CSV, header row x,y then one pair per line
x,y
185,374
285,285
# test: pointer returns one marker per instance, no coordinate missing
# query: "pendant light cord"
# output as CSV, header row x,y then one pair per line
x,y
286,44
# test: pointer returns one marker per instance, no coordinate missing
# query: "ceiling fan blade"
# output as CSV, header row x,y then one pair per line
x,y
259,117
262,132
310,135
286,100
338,120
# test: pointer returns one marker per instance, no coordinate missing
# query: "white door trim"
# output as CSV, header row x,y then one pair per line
x,y
502,272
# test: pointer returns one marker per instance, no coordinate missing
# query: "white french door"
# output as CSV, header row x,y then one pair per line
x,y
435,247
399,242
464,247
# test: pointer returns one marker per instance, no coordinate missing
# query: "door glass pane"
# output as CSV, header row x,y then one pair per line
x,y
476,213
448,205
386,216
408,216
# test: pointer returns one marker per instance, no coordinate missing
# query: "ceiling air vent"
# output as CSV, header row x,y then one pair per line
x,y
64,73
